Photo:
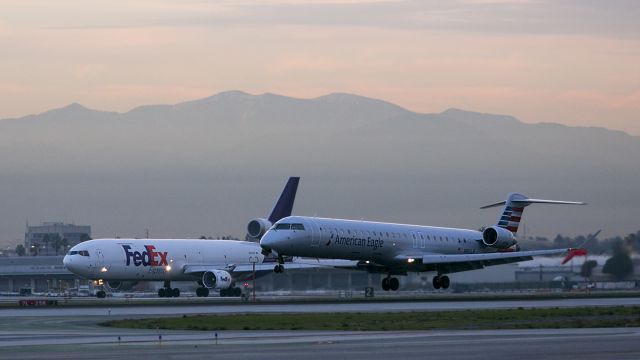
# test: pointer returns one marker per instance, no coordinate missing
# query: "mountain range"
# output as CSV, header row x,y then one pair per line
x,y
206,167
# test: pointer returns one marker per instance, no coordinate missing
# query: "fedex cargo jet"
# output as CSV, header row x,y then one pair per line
x,y
214,264
396,249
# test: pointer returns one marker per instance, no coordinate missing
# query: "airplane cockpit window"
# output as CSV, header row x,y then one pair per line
x,y
283,226
79,252
297,227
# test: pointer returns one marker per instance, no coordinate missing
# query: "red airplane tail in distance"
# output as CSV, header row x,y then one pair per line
x,y
572,253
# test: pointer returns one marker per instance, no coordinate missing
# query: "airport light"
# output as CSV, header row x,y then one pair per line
x,y
104,269
411,260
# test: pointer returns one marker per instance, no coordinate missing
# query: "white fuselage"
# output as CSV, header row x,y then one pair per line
x,y
368,241
156,259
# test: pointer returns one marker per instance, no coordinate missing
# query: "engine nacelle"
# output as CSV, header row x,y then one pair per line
x,y
216,279
498,237
115,285
257,227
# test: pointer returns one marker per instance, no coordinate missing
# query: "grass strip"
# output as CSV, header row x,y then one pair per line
x,y
520,318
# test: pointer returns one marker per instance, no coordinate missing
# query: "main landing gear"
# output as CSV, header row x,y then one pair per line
x,y
167,291
101,294
202,292
390,283
441,281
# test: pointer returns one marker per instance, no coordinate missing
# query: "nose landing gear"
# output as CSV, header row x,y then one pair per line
x,y
390,283
279,268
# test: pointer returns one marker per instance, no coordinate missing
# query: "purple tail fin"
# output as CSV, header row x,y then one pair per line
x,y
284,206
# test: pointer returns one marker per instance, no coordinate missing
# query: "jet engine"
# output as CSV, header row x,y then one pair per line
x,y
257,227
216,279
498,237
115,285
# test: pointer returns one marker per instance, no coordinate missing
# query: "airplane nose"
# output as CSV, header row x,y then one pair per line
x,y
268,240
66,261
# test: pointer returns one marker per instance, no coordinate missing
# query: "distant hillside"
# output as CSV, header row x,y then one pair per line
x,y
208,166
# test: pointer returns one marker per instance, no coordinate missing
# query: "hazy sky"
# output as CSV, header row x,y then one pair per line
x,y
573,62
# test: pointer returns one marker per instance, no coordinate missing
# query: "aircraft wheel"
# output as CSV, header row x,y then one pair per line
x,y
444,280
175,292
237,292
162,292
394,284
101,294
385,284
205,292
278,268
436,282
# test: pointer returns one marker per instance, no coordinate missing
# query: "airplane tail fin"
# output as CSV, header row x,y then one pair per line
x,y
284,205
514,207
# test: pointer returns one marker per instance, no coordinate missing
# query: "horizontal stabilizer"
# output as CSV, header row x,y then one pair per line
x,y
514,206
528,201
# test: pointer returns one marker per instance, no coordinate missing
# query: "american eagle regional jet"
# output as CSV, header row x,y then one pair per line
x,y
396,249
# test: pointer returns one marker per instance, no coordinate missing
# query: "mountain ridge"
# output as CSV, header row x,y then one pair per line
x,y
77,109
207,166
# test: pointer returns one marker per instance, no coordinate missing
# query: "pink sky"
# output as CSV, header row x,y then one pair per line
x,y
571,62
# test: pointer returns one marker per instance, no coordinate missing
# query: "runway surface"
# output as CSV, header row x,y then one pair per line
x,y
131,311
491,344
74,333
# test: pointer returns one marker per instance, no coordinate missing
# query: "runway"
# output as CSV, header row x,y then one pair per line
x,y
489,344
323,307
74,333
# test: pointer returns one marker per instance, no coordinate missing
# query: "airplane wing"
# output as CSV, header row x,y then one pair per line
x,y
243,270
451,263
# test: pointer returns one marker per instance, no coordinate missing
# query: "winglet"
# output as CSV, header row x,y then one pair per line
x,y
572,253
284,205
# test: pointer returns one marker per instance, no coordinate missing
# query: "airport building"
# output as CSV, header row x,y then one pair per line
x,y
37,274
54,238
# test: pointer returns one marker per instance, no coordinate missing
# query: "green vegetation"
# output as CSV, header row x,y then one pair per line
x,y
432,320
620,264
